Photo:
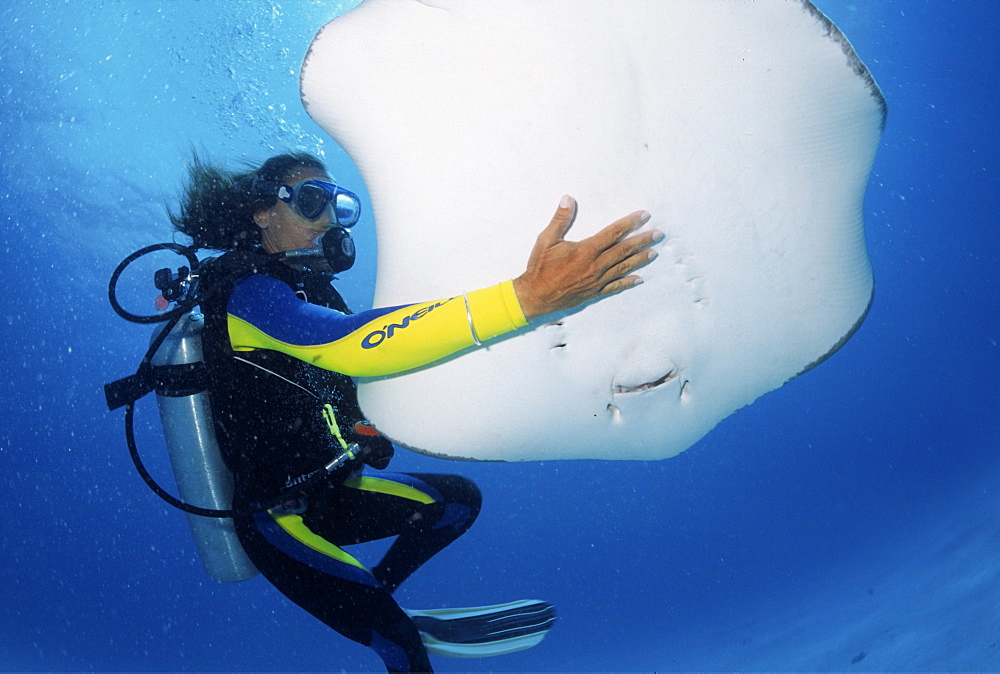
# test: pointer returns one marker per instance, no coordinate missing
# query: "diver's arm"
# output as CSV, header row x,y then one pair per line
x,y
265,313
560,275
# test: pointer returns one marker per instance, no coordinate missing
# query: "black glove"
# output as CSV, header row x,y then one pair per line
x,y
376,451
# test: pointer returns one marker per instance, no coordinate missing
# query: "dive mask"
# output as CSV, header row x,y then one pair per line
x,y
310,199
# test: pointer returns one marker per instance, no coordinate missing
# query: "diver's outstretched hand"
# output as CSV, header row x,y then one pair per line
x,y
564,274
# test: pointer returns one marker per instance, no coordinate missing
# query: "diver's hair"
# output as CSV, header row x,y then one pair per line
x,y
217,207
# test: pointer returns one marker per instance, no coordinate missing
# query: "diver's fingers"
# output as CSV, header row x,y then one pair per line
x,y
613,235
629,253
620,277
560,223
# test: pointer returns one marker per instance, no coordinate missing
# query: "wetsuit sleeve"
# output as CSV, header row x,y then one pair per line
x,y
264,313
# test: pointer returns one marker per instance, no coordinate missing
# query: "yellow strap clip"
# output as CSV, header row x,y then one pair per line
x,y
331,422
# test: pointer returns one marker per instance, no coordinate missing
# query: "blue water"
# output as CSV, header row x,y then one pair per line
x,y
847,521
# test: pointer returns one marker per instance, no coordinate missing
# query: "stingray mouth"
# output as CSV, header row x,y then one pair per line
x,y
622,389
619,389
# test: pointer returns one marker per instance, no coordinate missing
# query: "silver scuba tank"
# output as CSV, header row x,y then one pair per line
x,y
202,478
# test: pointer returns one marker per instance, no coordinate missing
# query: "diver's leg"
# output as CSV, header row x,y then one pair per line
x,y
330,584
426,511
431,529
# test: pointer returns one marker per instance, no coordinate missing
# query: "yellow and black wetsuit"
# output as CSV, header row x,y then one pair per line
x,y
282,347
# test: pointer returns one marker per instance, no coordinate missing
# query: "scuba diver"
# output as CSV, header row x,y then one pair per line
x,y
281,349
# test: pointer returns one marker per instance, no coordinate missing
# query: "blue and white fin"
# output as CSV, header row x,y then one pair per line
x,y
484,631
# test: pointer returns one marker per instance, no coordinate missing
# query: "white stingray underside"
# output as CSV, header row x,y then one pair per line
x,y
748,130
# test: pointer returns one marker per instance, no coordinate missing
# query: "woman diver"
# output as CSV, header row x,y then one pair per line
x,y
282,348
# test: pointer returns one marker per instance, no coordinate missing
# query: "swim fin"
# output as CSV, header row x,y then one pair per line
x,y
484,631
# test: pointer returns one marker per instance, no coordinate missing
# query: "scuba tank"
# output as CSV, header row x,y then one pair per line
x,y
201,475
173,367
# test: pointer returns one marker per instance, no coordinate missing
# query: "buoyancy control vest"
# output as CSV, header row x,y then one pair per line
x,y
274,414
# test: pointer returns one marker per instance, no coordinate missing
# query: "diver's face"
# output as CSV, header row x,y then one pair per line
x,y
282,228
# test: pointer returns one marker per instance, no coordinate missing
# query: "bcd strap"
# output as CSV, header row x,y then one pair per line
x,y
177,381
173,381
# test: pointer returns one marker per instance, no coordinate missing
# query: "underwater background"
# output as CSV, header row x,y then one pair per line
x,y
849,520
